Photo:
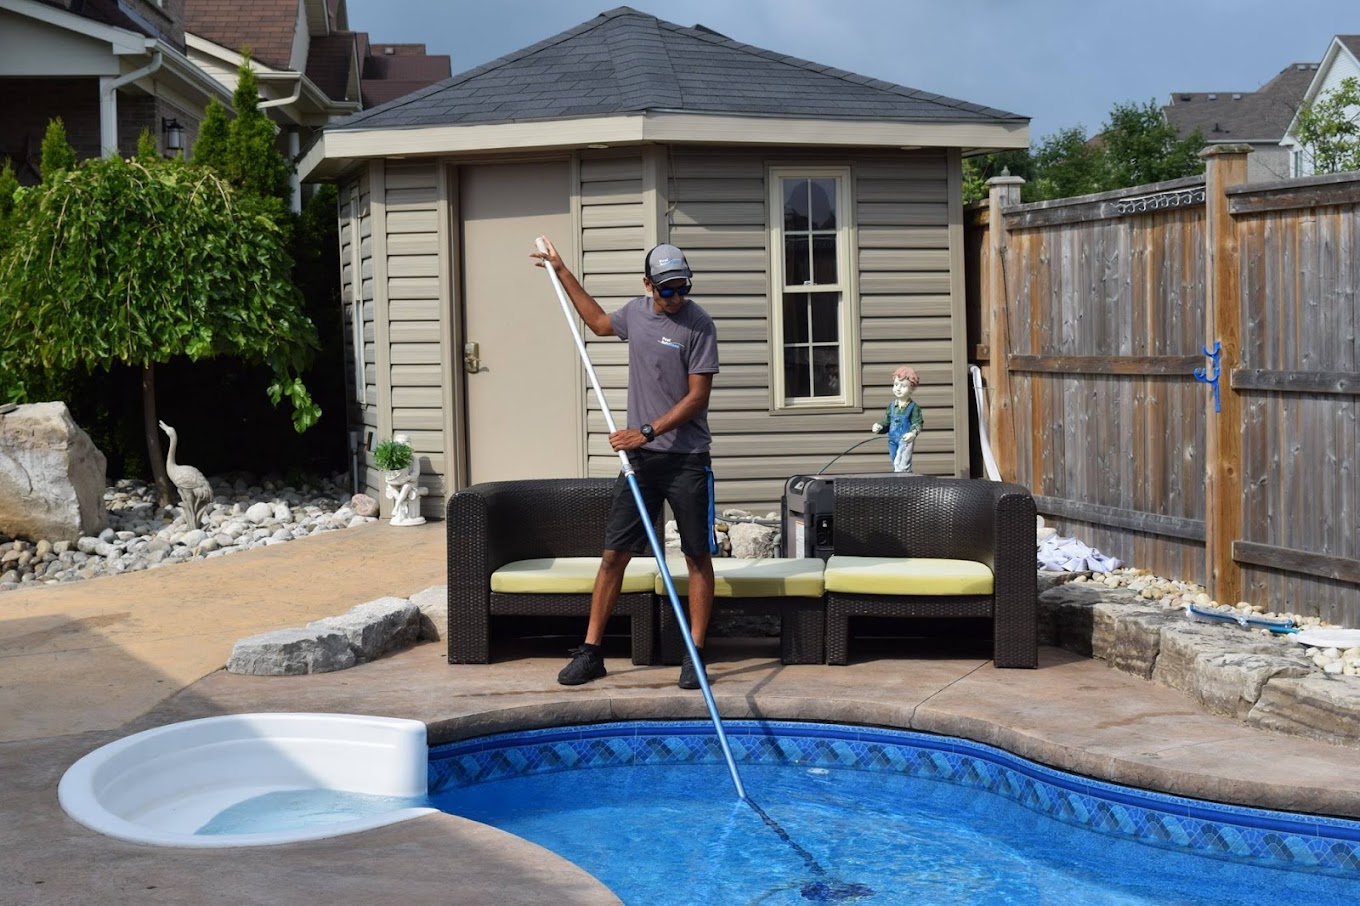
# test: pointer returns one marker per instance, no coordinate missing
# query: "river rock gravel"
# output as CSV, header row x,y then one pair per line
x,y
246,512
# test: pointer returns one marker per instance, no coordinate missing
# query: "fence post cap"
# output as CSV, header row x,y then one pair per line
x,y
1216,150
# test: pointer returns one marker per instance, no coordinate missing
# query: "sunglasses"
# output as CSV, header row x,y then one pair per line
x,y
667,292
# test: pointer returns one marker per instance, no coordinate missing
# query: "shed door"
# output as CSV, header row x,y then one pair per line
x,y
523,413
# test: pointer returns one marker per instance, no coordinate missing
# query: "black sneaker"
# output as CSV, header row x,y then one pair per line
x,y
689,677
586,665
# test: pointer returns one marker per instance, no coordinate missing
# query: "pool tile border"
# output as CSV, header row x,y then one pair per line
x,y
1282,839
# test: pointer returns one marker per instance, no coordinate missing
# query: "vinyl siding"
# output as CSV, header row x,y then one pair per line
x,y
414,348
901,253
613,241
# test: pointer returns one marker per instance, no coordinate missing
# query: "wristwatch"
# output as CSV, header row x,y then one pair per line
x,y
648,432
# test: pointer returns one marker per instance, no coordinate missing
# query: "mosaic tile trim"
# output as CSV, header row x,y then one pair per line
x,y
1204,828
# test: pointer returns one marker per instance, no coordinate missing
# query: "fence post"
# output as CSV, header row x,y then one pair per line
x,y
1225,166
1002,192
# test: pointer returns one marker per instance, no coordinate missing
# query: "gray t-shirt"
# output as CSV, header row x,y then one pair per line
x,y
663,351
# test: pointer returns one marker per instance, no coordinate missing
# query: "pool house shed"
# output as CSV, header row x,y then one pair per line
x,y
820,210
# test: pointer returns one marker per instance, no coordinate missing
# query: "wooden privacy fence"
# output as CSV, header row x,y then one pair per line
x,y
1090,317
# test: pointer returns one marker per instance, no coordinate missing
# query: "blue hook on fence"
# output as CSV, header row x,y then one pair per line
x,y
1204,376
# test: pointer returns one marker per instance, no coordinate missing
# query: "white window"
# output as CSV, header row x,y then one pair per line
x,y
814,304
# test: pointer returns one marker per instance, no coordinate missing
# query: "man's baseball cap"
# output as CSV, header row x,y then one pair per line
x,y
666,263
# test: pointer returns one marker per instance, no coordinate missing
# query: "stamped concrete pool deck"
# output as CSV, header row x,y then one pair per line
x,y
87,663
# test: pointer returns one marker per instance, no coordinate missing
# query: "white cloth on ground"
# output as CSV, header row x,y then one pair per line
x,y
1070,555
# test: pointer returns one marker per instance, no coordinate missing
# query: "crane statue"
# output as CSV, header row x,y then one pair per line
x,y
194,491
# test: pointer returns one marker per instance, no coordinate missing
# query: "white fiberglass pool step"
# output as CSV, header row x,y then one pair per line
x,y
163,785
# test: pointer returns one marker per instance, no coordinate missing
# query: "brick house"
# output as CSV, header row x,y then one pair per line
x,y
111,68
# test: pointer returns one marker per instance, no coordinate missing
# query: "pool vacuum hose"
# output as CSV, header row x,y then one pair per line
x,y
657,550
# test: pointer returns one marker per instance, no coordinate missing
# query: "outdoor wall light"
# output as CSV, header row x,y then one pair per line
x,y
174,136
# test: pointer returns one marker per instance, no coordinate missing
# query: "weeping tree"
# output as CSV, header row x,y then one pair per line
x,y
139,261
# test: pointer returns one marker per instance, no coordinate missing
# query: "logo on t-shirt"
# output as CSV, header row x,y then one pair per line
x,y
667,341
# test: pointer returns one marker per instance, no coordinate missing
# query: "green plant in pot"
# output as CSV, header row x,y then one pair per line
x,y
393,456
401,473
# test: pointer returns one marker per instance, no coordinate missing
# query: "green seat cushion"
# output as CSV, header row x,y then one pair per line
x,y
907,576
568,576
740,577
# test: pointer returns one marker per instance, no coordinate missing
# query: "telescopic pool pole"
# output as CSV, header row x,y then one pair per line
x,y
657,551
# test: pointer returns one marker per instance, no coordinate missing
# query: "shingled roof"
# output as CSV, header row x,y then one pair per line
x,y
624,61
1254,116
267,26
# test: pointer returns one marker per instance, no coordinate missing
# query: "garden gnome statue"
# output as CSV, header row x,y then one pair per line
x,y
194,491
403,486
902,419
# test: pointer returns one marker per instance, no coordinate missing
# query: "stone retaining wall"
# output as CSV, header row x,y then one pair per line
x,y
1264,680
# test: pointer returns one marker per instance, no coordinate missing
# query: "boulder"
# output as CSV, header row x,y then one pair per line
x,y
52,477
1318,707
752,540
375,628
434,612
291,652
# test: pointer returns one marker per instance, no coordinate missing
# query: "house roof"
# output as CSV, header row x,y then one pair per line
x,y
328,64
267,27
1351,43
624,61
1254,116
109,12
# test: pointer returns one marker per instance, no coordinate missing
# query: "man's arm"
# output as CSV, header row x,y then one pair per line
x,y
590,311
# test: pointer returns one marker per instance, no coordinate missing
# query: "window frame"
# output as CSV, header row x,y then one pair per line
x,y
847,285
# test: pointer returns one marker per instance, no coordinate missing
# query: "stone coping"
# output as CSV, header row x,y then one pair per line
x,y
1265,681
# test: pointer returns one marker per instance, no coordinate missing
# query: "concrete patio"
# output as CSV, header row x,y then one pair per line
x,y
87,663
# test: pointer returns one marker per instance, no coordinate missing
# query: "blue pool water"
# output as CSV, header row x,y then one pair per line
x,y
294,810
870,816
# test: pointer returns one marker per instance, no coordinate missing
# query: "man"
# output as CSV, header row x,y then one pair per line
x,y
672,357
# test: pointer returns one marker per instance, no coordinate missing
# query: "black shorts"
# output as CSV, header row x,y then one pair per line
x,y
685,481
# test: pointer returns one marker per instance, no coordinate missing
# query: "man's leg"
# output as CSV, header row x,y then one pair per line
x,y
624,534
608,583
700,596
691,498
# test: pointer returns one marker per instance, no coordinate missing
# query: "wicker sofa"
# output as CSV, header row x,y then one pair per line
x,y
531,548
790,589
934,547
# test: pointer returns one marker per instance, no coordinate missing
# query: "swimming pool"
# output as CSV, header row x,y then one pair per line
x,y
872,816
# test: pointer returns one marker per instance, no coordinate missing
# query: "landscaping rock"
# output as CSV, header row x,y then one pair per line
x,y
750,539
375,628
51,475
363,505
292,652
1230,684
434,612
1184,642
1318,706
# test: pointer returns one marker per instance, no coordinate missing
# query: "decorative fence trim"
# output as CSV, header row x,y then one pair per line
x,y
1160,201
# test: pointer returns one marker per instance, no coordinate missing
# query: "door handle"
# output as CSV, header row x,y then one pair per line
x,y
472,359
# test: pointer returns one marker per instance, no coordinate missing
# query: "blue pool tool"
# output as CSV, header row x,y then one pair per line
x,y
1246,622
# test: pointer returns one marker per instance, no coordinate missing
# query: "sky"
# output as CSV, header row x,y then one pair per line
x,y
1061,62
